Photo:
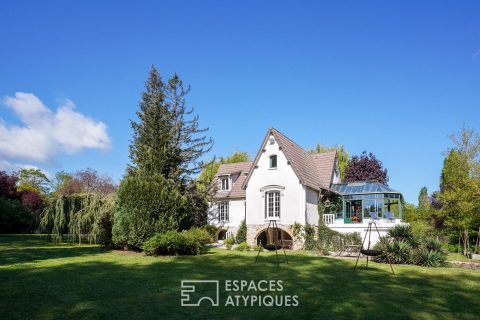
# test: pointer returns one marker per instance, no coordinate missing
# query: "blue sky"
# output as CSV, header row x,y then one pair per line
x,y
391,78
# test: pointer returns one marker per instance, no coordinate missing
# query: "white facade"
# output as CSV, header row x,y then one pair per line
x,y
311,201
283,179
284,183
383,226
236,214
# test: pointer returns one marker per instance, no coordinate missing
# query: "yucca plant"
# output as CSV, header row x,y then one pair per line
x,y
399,251
432,243
401,232
382,245
430,258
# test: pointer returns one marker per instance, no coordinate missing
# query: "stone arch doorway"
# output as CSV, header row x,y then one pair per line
x,y
221,235
263,238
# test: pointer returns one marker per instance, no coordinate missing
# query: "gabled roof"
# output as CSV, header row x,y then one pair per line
x,y
241,168
312,170
325,163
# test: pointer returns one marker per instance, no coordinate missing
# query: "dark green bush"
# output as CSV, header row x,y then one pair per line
x,y
401,232
146,205
211,229
13,216
402,246
383,245
242,232
430,258
399,251
189,242
431,243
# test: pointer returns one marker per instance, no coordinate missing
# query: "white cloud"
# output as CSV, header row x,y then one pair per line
x,y
10,167
46,133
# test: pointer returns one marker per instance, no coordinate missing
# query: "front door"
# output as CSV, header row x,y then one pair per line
x,y
353,211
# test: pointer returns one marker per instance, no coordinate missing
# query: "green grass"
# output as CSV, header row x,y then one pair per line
x,y
459,257
44,281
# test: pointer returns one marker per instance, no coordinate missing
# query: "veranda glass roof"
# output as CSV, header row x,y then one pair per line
x,y
361,188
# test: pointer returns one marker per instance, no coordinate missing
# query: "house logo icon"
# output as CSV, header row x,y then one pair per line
x,y
194,292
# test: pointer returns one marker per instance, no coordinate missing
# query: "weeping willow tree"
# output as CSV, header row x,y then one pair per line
x,y
81,217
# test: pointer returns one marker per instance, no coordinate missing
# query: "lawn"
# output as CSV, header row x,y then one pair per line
x,y
44,281
460,257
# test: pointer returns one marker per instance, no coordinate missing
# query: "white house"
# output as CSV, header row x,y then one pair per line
x,y
285,183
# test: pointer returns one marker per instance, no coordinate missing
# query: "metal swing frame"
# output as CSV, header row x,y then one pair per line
x,y
369,232
274,225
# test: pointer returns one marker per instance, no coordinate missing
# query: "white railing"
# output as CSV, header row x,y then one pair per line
x,y
329,218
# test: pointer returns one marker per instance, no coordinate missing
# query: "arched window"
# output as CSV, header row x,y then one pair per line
x,y
272,204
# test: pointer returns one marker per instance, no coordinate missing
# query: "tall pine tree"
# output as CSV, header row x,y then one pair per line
x,y
165,153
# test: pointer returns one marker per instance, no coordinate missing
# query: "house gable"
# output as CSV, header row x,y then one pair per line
x,y
267,178
315,171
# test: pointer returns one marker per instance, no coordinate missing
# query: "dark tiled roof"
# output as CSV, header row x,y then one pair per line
x,y
314,171
231,168
325,162
236,191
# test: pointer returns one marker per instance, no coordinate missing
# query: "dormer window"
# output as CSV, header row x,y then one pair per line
x,y
273,161
225,184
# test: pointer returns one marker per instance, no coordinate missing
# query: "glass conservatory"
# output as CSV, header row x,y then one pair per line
x,y
364,200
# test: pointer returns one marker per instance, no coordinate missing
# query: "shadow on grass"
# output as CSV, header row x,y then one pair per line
x,y
15,249
118,287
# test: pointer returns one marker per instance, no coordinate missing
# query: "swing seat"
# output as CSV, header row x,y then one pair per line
x,y
371,252
272,247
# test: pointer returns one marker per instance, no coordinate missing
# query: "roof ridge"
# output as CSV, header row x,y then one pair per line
x,y
235,163
290,140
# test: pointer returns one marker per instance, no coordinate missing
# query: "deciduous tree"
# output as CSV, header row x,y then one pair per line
x,y
365,167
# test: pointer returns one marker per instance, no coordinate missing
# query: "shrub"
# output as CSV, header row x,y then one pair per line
x,y
13,216
399,251
325,236
229,242
242,232
432,244
242,246
211,229
201,234
382,245
146,205
401,232
310,242
430,258
409,248
189,242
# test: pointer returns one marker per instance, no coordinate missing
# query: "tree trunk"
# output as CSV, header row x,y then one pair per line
x,y
477,249
465,242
